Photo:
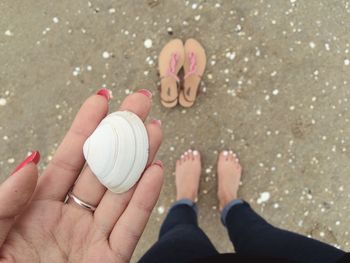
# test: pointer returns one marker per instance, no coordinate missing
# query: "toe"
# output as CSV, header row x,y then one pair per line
x,y
231,156
190,155
224,155
196,155
182,158
186,156
235,157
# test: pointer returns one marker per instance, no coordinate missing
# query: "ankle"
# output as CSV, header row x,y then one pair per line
x,y
225,198
191,197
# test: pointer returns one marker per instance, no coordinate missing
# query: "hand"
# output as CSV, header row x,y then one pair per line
x,y
36,225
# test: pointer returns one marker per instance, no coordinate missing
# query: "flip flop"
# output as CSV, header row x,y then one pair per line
x,y
171,60
194,67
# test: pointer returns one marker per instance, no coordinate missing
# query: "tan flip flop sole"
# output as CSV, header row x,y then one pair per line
x,y
194,67
171,60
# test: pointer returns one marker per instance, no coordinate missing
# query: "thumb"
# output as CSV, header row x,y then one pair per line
x,y
16,192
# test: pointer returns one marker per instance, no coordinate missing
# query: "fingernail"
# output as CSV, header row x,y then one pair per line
x,y
156,122
159,163
105,93
34,157
146,92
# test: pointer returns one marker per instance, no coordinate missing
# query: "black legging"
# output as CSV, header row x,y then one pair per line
x,y
181,240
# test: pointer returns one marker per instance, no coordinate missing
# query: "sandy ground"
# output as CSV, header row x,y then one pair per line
x,y
276,90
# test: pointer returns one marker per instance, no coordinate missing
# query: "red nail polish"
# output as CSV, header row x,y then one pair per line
x,y
156,122
105,93
34,157
146,92
159,163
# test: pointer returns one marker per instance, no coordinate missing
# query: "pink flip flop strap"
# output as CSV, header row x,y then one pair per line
x,y
193,65
171,72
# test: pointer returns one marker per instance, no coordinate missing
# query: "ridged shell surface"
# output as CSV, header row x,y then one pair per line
x,y
117,151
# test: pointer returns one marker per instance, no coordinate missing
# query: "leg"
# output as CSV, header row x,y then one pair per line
x,y
182,212
180,238
251,234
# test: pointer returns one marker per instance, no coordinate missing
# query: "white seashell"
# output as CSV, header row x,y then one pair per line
x,y
117,151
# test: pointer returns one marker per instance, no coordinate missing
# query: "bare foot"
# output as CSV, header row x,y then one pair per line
x,y
188,172
229,176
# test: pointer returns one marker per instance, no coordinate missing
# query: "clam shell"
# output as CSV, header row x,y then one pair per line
x,y
117,151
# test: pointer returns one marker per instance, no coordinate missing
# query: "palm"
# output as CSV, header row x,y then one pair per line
x,y
50,228
37,225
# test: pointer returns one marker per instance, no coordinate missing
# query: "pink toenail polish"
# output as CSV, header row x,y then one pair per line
x,y
146,92
156,122
225,153
195,152
34,157
105,93
159,163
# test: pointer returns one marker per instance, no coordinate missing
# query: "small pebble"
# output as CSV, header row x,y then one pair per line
x,y
105,54
264,197
148,43
3,101
8,33
160,210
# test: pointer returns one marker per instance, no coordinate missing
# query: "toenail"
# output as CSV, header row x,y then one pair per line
x,y
189,150
186,153
182,156
225,153
195,152
231,152
156,122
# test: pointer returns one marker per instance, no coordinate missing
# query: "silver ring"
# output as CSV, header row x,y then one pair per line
x,y
81,203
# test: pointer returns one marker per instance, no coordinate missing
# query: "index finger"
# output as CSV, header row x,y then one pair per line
x,y
68,160
139,103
